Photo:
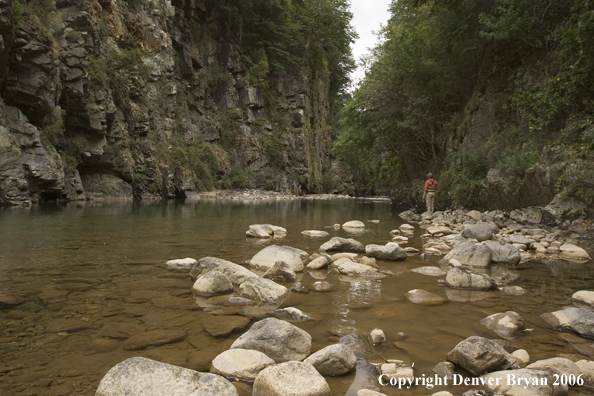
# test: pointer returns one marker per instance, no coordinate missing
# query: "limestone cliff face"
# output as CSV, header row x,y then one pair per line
x,y
147,98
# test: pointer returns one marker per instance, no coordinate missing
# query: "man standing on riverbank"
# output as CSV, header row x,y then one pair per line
x,y
430,192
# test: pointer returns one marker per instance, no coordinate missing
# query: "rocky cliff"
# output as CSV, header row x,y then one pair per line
x,y
148,98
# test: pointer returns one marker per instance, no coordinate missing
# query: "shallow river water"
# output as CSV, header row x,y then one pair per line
x,y
80,269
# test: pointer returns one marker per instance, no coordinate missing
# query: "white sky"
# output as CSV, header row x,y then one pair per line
x,y
368,17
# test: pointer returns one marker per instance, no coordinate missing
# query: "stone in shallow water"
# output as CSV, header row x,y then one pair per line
x,y
278,339
583,298
121,330
154,338
430,271
291,379
141,376
241,364
339,244
423,297
508,325
337,359
182,265
322,286
222,326
315,233
267,257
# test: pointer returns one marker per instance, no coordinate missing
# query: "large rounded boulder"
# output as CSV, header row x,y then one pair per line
x,y
462,278
291,379
235,272
141,376
470,254
267,257
337,359
338,244
278,339
382,252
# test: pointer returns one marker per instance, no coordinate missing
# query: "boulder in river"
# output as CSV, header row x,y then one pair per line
x,y
235,272
212,283
533,383
470,254
263,290
281,272
315,233
377,336
573,252
291,379
462,278
154,338
267,257
479,355
409,215
141,376
182,265
583,298
337,359
503,252
509,325
278,339
423,297
564,366
577,320
292,314
320,262
382,252
353,224
351,268
338,244
480,232
240,364
265,231
436,229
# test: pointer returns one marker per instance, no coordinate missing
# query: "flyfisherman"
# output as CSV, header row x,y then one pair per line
x,y
430,192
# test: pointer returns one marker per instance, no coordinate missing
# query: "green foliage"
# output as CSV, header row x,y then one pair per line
x,y
227,123
463,177
118,65
578,182
273,147
72,153
54,130
240,178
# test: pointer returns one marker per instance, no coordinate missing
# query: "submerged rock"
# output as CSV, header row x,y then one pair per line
x,y
429,271
423,297
267,257
278,339
154,338
291,379
222,326
141,376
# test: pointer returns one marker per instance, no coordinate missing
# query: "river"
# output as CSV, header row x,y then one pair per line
x,y
80,268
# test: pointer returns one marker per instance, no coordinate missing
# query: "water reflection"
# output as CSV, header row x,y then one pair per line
x,y
76,271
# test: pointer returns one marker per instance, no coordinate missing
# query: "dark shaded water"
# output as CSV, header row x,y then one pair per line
x,y
80,269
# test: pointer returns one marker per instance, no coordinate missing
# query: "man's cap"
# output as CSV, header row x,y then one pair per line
x,y
429,175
